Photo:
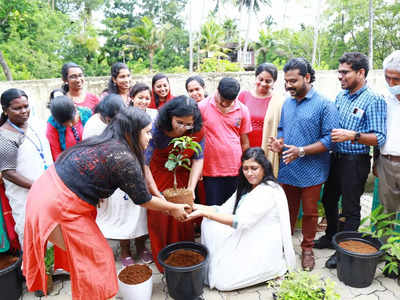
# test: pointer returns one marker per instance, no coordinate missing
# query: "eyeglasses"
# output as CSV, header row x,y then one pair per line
x,y
187,126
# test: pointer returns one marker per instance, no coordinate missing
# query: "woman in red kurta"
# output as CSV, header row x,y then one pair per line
x,y
177,118
161,91
257,101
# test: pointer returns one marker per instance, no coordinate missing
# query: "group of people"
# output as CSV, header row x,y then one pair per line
x,y
261,156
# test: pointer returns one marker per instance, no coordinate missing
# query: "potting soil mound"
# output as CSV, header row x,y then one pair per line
x,y
184,258
358,247
7,260
135,274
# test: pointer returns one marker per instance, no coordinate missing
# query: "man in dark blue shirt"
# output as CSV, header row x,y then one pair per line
x,y
362,116
304,140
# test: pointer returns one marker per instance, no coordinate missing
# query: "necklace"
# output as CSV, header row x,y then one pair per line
x,y
38,149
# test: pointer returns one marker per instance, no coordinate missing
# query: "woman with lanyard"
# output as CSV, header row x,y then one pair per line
x,y
24,152
65,125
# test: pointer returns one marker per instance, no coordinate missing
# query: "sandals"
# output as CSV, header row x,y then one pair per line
x,y
127,261
146,257
321,227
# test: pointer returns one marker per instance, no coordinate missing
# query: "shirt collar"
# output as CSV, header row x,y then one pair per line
x,y
235,106
308,96
356,94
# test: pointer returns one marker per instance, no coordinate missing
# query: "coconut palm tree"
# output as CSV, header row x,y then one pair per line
x,y
212,39
147,36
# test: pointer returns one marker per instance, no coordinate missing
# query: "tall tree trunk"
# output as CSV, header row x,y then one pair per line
x,y
246,41
190,38
371,35
316,30
5,67
239,32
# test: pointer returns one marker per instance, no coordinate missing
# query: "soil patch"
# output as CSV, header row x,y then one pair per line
x,y
7,260
135,274
358,247
184,258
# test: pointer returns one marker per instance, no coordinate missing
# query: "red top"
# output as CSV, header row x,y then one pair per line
x,y
90,101
54,140
258,108
161,103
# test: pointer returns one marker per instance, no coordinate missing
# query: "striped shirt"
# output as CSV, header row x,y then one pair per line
x,y
363,111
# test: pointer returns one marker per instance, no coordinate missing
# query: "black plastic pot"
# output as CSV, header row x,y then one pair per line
x,y
355,269
184,283
11,281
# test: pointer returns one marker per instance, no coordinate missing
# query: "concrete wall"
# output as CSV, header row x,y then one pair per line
x,y
38,90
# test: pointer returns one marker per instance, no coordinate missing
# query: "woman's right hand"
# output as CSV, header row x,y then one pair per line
x,y
179,211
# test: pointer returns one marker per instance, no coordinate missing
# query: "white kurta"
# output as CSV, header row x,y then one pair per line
x,y
117,217
259,249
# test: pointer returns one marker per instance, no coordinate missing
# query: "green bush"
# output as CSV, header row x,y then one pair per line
x,y
219,65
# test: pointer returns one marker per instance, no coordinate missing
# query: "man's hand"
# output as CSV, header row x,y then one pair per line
x,y
275,145
290,154
339,135
179,211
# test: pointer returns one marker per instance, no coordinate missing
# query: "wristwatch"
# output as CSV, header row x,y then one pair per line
x,y
302,153
357,136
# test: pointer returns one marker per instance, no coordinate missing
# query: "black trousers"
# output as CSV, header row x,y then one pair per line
x,y
219,189
347,178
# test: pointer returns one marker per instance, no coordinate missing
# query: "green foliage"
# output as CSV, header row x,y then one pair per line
x,y
219,65
382,226
49,260
304,285
177,156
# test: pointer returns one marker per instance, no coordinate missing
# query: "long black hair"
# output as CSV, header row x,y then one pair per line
x,y
244,186
64,73
62,109
125,127
180,106
115,68
6,98
156,78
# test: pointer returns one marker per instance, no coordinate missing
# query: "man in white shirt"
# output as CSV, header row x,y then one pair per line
x,y
388,163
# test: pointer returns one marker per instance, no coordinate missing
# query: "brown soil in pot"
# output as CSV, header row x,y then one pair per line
x,y
135,274
180,196
358,247
184,258
7,260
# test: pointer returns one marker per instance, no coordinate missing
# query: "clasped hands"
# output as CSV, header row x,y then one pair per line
x,y
277,145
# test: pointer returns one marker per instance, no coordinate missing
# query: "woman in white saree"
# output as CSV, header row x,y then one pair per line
x,y
248,237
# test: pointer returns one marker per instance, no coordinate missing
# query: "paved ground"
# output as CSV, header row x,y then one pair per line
x,y
382,288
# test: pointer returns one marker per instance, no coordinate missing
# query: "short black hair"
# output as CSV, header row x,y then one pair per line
x,y
356,60
269,68
62,109
64,74
109,106
180,106
195,78
228,88
137,88
302,65
6,98
115,68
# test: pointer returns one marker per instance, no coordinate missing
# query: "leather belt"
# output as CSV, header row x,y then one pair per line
x,y
391,157
346,156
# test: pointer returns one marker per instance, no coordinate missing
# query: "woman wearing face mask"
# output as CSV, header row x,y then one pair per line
x,y
61,205
195,87
232,231
141,98
65,125
119,83
177,118
161,91
24,152
73,87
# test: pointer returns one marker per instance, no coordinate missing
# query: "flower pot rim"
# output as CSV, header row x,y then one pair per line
x,y
175,246
358,237
12,266
134,284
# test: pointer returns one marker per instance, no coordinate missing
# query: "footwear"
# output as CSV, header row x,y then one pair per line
x,y
146,257
127,261
307,260
39,293
323,243
331,263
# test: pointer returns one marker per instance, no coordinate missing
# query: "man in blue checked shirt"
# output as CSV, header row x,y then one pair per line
x,y
362,124
304,140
